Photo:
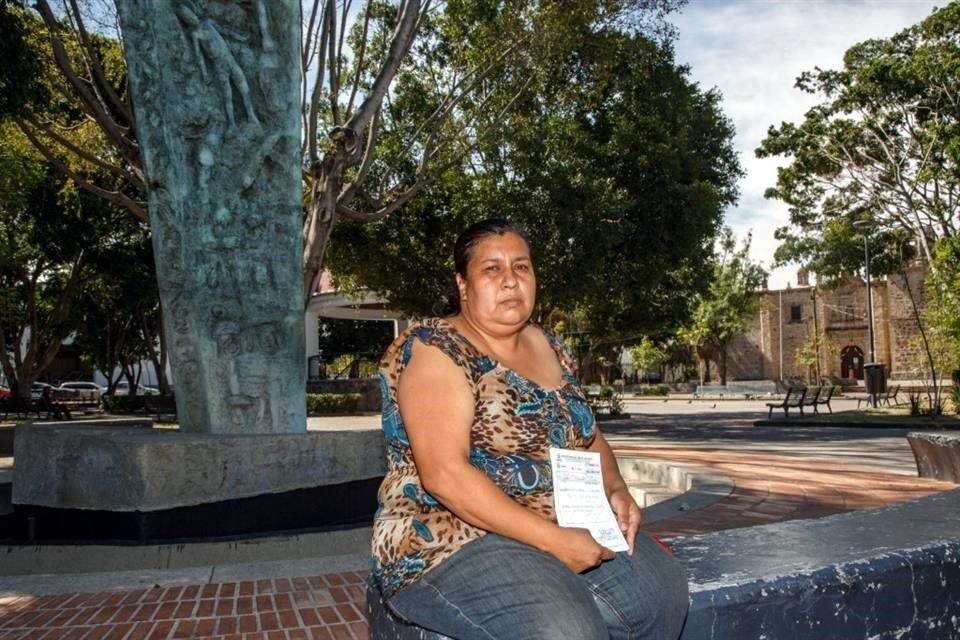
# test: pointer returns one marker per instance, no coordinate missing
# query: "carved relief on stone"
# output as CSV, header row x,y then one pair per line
x,y
217,100
214,56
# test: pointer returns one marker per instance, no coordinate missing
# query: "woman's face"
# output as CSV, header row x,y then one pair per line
x,y
500,288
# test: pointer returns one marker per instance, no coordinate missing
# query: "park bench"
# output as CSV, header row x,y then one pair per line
x,y
885,397
160,406
890,394
793,400
20,408
879,573
810,398
937,455
823,397
817,396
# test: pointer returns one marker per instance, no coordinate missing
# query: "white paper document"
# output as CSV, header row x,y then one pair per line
x,y
579,499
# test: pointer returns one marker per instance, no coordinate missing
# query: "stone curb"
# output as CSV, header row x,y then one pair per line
x,y
696,487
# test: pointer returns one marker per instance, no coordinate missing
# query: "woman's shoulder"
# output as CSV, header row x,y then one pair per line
x,y
433,332
547,334
556,343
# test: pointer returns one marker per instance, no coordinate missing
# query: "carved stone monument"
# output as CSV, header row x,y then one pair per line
x,y
216,87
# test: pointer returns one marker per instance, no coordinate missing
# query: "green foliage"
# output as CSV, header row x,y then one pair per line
x,y
138,404
21,69
120,311
916,405
616,163
943,291
332,404
50,233
354,336
729,303
817,346
882,144
647,357
607,402
123,405
72,262
353,365
652,390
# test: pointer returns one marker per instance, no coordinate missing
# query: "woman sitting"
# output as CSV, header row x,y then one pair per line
x,y
466,542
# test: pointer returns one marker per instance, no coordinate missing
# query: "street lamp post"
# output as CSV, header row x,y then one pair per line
x,y
865,226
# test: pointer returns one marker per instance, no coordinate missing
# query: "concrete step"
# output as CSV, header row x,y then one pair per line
x,y
650,493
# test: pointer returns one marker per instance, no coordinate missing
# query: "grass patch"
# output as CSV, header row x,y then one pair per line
x,y
897,416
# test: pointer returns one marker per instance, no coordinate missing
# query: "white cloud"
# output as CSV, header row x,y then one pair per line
x,y
752,51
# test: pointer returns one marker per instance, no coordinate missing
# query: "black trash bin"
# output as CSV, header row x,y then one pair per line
x,y
875,377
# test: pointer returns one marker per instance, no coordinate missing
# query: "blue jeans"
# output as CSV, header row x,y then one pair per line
x,y
498,588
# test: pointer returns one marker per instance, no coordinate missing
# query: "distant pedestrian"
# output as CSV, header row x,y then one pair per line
x,y
55,410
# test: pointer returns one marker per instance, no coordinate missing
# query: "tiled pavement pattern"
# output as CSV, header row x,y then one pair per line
x,y
768,488
326,607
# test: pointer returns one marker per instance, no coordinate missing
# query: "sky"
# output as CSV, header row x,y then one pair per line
x,y
752,51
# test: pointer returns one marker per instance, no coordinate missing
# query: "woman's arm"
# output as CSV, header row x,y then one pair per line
x,y
436,404
622,503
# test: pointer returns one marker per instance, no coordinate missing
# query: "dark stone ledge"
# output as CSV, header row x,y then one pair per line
x,y
937,455
881,573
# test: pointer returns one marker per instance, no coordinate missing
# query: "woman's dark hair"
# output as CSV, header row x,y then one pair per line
x,y
463,252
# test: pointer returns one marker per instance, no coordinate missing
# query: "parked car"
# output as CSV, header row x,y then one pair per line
x,y
36,389
123,389
82,390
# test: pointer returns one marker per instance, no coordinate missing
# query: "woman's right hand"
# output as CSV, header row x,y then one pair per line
x,y
577,549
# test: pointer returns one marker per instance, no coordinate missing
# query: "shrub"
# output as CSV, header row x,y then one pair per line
x,y
915,408
332,404
652,390
608,402
123,404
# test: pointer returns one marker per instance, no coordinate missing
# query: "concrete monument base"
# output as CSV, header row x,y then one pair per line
x,y
139,482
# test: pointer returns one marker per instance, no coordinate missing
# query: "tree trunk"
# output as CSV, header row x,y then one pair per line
x,y
933,390
222,161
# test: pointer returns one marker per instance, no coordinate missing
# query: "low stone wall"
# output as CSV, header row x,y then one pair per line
x,y
881,573
129,466
937,455
884,573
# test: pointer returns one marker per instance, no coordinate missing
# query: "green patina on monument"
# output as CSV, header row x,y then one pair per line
x,y
216,88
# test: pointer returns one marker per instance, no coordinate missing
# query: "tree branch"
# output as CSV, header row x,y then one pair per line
x,y
360,59
91,103
402,40
313,116
333,67
347,193
116,197
87,157
96,69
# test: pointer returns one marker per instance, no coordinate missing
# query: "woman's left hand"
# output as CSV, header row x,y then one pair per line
x,y
628,514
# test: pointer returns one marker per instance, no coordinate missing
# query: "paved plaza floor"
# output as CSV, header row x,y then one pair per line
x,y
783,472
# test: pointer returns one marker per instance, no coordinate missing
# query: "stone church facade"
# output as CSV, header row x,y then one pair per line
x,y
789,318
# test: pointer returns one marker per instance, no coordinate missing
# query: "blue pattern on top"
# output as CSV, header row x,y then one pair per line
x,y
517,421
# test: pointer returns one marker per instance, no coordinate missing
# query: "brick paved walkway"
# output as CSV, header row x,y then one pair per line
x,y
767,488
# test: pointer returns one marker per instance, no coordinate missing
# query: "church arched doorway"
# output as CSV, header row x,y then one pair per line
x,y
851,362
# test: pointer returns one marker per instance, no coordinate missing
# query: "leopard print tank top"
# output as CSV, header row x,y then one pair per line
x,y
515,423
